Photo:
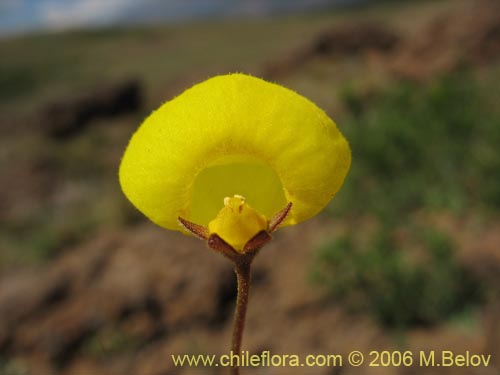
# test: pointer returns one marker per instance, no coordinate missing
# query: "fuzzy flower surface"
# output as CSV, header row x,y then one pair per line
x,y
229,153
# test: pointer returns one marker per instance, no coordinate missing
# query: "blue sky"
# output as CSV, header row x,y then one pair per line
x,y
20,15
24,15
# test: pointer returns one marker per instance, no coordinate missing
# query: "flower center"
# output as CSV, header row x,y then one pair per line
x,y
237,222
230,175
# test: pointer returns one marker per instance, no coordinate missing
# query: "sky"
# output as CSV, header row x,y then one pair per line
x,y
27,15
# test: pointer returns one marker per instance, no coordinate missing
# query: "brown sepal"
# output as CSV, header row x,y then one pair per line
x,y
257,241
218,244
198,230
277,219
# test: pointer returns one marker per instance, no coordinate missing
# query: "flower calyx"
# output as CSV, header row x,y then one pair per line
x,y
238,231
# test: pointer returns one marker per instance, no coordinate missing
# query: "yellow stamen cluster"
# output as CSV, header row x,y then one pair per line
x,y
237,222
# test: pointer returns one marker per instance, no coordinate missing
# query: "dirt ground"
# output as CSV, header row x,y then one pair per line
x,y
81,315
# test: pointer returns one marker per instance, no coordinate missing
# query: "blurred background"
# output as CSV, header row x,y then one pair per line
x,y
406,257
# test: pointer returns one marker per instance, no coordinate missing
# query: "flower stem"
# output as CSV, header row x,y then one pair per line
x,y
243,276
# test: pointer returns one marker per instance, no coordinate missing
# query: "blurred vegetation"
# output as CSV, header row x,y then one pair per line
x,y
432,148
13,367
83,169
36,67
111,341
384,278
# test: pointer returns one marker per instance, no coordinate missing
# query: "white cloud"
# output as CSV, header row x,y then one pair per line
x,y
57,14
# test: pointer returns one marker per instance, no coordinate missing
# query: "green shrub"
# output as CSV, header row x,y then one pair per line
x,y
432,146
399,287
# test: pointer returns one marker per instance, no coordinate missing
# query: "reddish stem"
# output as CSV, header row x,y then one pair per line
x,y
243,276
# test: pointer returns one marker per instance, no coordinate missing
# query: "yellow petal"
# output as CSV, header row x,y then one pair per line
x,y
237,222
234,135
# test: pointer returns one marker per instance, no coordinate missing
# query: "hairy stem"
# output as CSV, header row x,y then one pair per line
x,y
243,276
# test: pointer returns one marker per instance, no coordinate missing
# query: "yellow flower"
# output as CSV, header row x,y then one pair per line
x,y
234,135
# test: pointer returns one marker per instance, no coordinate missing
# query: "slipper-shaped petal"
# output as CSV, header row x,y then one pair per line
x,y
234,135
